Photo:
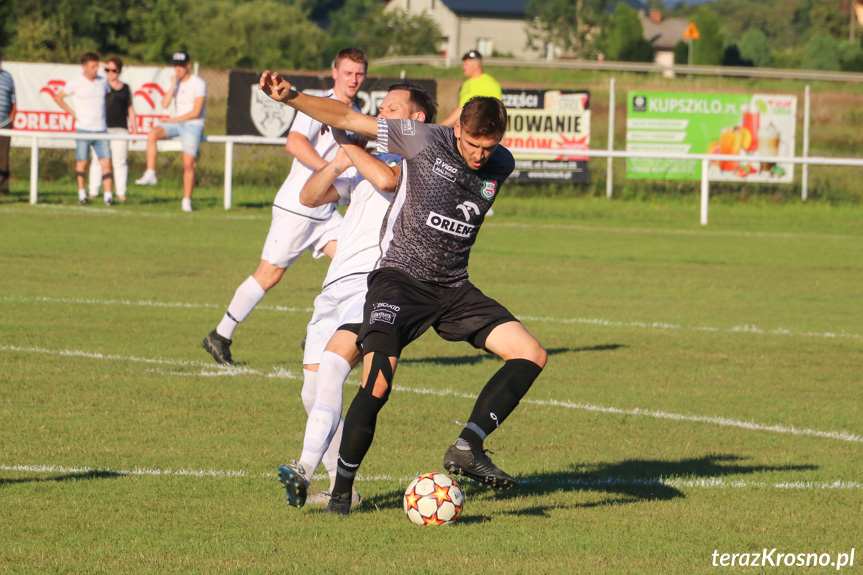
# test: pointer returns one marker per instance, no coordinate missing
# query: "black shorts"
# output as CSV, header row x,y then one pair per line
x,y
402,308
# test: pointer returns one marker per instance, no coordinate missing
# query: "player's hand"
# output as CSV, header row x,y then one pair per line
x,y
344,138
276,87
342,161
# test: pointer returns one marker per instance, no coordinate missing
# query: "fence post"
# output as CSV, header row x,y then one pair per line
x,y
34,171
804,190
608,171
229,173
705,191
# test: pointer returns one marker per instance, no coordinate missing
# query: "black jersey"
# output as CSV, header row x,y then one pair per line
x,y
440,203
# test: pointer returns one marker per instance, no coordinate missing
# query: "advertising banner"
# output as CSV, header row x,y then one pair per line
x,y
253,113
743,125
557,121
37,84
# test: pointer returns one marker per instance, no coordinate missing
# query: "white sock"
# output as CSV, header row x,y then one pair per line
x,y
326,414
331,455
82,194
247,296
310,390
109,196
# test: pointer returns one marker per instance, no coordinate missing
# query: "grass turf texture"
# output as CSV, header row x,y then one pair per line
x,y
647,316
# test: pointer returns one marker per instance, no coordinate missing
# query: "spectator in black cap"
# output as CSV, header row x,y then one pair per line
x,y
189,94
478,83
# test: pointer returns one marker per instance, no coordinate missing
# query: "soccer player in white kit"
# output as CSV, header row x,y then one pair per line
x,y
367,183
295,227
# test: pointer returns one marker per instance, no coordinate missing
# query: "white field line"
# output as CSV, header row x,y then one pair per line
x,y
741,329
602,482
211,370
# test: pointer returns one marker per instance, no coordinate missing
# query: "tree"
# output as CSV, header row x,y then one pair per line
x,y
232,35
851,57
821,53
827,19
365,25
754,48
573,26
157,29
626,41
708,50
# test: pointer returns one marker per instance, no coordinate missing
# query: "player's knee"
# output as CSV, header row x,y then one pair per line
x,y
380,379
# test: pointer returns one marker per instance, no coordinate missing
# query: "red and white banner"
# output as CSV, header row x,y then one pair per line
x,y
37,84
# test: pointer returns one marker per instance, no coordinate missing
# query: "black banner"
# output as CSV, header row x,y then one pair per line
x,y
253,113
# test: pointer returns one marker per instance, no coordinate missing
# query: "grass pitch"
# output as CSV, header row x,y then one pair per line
x,y
702,395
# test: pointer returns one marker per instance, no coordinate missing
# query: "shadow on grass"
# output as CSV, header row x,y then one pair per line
x,y
84,475
623,483
475,359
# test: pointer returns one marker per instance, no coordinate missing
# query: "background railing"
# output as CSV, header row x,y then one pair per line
x,y
229,142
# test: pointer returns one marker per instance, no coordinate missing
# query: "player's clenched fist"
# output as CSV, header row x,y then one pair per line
x,y
276,87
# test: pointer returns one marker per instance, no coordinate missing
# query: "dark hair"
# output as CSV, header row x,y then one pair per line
x,y
484,116
118,63
419,99
89,57
353,54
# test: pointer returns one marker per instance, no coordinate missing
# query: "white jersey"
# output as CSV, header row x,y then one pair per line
x,y
185,94
288,197
88,99
358,247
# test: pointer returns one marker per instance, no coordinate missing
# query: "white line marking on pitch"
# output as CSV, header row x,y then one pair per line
x,y
743,329
211,370
602,482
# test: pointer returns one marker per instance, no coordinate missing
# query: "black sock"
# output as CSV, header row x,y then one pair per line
x,y
498,399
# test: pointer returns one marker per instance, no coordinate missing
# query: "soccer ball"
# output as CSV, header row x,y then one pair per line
x,y
433,499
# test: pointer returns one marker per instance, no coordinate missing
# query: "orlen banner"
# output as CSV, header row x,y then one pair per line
x,y
253,113
556,121
743,125
37,84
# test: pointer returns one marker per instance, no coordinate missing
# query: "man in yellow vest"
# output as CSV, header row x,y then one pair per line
x,y
478,83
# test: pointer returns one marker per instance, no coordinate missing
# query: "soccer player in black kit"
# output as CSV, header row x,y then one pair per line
x,y
450,178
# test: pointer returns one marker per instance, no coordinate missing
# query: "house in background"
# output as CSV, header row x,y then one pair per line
x,y
492,27
497,27
664,34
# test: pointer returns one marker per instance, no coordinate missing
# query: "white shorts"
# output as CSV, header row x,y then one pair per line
x,y
290,235
340,303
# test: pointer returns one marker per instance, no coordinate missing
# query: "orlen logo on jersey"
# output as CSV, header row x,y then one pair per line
x,y
449,225
444,170
152,94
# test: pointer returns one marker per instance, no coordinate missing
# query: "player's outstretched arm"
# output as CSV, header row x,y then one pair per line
x,y
318,189
325,110
383,177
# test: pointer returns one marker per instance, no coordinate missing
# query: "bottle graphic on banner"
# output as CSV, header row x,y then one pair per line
x,y
751,123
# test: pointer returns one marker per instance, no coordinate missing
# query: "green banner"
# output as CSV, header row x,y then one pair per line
x,y
744,125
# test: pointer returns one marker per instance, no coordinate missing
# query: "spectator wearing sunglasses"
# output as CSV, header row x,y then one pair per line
x,y
120,117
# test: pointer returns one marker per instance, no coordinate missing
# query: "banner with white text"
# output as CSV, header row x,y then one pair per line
x,y
556,121
37,84
744,125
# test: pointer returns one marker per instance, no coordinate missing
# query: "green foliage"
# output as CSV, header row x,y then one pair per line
x,y
681,52
708,50
821,53
157,30
827,19
365,25
572,26
755,48
626,42
851,57
243,36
